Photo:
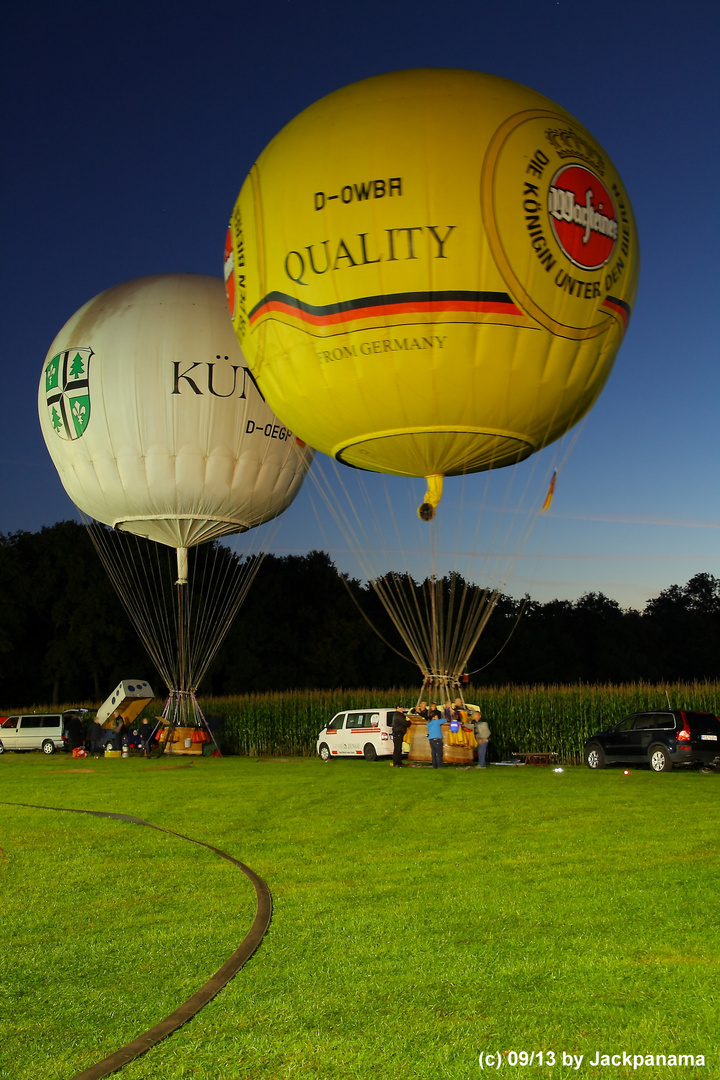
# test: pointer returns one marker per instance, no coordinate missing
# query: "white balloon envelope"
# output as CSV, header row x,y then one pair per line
x,y
153,420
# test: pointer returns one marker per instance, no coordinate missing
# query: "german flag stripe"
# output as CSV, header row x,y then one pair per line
x,y
618,307
367,307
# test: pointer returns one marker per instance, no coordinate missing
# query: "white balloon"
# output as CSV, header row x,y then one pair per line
x,y
153,420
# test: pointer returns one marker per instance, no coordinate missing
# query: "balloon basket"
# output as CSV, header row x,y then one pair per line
x,y
456,755
419,743
184,740
453,754
182,728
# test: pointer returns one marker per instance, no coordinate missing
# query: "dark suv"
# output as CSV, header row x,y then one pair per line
x,y
662,738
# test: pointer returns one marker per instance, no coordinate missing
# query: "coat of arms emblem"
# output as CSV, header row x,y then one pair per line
x,y
68,393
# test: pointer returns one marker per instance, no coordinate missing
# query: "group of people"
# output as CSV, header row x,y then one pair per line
x,y
466,726
135,737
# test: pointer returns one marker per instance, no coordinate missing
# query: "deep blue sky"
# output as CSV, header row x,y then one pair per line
x,y
127,133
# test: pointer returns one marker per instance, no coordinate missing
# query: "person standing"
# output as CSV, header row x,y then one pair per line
x,y
434,727
482,736
400,724
95,735
146,736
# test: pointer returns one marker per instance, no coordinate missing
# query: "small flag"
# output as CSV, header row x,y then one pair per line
x,y
550,492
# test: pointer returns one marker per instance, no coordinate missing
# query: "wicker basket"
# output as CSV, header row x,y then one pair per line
x,y
420,747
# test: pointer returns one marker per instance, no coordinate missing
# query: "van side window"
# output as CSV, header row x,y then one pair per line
x,y
31,722
11,722
336,722
50,721
358,720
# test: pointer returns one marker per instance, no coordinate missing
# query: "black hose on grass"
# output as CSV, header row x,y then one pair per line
x,y
207,992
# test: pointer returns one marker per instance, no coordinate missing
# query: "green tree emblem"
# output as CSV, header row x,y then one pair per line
x,y
77,367
55,418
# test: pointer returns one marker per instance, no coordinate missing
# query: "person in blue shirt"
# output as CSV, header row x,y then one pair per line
x,y
434,728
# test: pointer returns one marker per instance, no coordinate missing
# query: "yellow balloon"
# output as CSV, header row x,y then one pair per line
x,y
430,272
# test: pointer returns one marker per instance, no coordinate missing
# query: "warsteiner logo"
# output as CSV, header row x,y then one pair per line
x,y
583,217
67,392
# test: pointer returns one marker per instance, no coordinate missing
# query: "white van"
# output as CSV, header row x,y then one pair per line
x,y
36,731
358,733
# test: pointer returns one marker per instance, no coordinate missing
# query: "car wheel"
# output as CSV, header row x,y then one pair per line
x,y
48,747
324,752
369,753
660,760
2,748
594,757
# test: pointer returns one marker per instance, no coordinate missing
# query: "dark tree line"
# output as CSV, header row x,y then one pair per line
x,y
64,636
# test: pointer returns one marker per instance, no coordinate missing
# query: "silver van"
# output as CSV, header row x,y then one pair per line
x,y
33,731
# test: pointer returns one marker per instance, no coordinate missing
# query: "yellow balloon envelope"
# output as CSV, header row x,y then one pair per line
x,y
430,272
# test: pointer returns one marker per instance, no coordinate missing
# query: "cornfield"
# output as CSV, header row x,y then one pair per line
x,y
521,718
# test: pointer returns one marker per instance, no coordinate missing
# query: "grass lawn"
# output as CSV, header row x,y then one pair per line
x,y
420,918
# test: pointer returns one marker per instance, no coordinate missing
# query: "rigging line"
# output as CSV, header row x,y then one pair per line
x,y
526,601
466,605
456,659
460,595
423,618
419,624
239,574
463,599
138,571
210,595
224,576
226,579
402,619
384,585
372,626
213,592
227,616
125,584
399,595
337,512
474,601
412,622
153,606
477,619
344,521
